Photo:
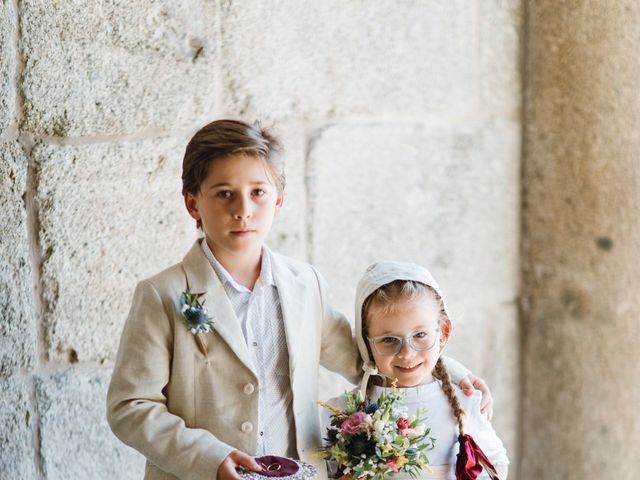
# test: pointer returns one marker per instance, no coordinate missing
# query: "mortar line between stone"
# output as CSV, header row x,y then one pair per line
x,y
149,134
37,435
19,107
310,190
524,57
33,226
32,237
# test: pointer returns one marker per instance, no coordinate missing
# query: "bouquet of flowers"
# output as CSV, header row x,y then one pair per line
x,y
371,440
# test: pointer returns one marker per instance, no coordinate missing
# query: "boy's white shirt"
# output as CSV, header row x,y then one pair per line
x,y
184,411
267,344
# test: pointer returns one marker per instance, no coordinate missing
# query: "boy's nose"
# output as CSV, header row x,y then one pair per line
x,y
242,209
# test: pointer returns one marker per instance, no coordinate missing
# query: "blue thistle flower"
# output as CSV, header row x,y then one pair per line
x,y
360,444
371,408
195,315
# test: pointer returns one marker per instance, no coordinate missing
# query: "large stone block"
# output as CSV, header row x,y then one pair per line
x,y
75,439
445,199
17,459
500,55
7,64
319,59
96,68
448,199
110,215
17,313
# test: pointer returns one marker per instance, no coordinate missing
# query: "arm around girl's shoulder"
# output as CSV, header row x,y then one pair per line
x,y
136,402
339,352
480,428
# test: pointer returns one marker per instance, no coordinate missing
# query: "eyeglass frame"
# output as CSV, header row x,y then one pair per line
x,y
404,340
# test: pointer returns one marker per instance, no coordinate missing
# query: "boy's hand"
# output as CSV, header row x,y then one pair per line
x,y
470,384
236,459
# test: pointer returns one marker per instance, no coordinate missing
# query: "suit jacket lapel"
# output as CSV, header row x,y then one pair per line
x,y
202,279
292,292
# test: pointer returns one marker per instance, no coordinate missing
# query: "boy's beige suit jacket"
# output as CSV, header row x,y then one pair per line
x,y
186,411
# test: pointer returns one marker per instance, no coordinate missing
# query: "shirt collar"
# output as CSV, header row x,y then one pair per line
x,y
266,272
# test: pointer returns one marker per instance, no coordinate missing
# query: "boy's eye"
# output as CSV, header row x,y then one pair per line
x,y
223,194
259,192
419,334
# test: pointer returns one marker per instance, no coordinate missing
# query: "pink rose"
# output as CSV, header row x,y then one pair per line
x,y
391,463
352,424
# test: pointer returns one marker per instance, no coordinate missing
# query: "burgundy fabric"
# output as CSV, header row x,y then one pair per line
x,y
273,466
471,460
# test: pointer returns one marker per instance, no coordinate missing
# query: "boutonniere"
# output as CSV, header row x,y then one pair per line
x,y
195,318
194,313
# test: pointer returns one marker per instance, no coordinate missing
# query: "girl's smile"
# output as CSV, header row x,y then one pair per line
x,y
408,369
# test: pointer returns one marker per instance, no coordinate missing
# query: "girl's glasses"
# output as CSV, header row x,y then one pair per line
x,y
391,344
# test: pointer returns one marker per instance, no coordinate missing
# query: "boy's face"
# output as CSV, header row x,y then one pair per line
x,y
236,204
418,319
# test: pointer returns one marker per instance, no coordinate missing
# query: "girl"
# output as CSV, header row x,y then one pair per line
x,y
219,357
402,326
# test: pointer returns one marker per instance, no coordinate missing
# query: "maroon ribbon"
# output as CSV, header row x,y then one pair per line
x,y
274,466
471,460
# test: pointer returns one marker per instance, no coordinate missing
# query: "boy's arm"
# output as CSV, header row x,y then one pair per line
x,y
469,383
136,404
339,352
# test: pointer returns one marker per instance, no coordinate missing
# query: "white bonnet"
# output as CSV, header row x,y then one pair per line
x,y
374,277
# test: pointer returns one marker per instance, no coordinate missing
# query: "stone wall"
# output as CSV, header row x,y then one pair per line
x,y
401,122
582,230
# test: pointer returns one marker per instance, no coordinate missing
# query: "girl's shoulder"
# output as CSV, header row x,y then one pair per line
x,y
469,403
432,395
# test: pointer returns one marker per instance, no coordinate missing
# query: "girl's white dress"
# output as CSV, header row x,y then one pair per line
x,y
438,416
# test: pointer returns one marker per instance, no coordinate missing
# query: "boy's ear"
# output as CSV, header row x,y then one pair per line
x,y
191,203
279,202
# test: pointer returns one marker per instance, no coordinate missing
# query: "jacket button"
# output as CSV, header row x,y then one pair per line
x,y
248,389
246,427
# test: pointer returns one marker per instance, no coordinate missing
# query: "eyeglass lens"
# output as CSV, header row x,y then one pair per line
x,y
390,344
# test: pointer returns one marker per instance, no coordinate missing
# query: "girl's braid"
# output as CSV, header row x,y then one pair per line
x,y
443,375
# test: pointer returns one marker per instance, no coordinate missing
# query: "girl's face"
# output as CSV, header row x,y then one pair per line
x,y
416,319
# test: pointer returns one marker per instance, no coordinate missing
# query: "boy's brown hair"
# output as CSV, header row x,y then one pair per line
x,y
223,138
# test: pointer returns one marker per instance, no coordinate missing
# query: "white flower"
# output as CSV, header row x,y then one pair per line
x,y
419,430
184,308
